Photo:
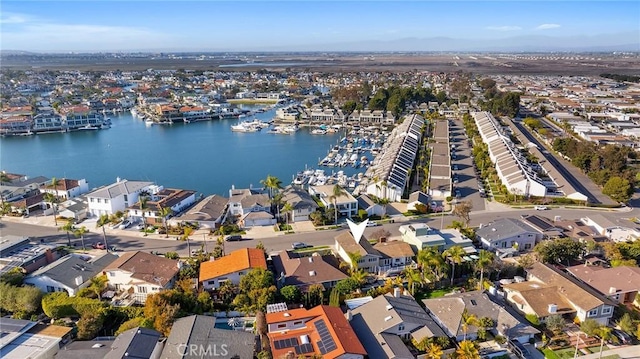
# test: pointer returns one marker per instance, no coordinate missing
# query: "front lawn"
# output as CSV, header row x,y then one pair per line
x,y
429,294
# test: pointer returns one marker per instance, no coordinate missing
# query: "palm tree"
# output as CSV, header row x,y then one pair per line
x,y
143,198
354,257
98,284
337,192
413,277
433,351
430,258
164,212
103,221
53,200
68,227
80,232
485,258
604,333
287,209
272,183
467,320
467,350
359,276
455,255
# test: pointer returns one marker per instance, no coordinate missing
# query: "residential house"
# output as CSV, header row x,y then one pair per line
x,y
69,273
421,236
373,209
548,228
20,252
353,242
196,336
139,274
301,201
116,196
384,323
613,231
507,233
346,203
548,291
417,198
48,121
24,193
26,339
66,188
304,271
253,208
449,311
176,199
76,208
619,284
136,343
209,212
322,330
230,268
395,257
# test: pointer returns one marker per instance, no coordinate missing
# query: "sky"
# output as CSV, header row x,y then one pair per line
x,y
112,25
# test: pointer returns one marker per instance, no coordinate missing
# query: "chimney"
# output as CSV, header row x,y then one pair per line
x,y
553,308
383,239
179,265
349,315
118,179
612,290
397,292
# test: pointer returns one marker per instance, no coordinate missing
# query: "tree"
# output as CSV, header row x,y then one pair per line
x,y
334,297
467,350
604,333
485,259
256,290
79,233
288,210
103,221
314,295
429,258
53,200
433,351
346,286
90,325
272,183
462,211
413,277
160,311
354,258
143,198
291,293
555,323
14,276
335,194
165,212
590,327
618,189
68,228
455,255
626,323
564,250
468,320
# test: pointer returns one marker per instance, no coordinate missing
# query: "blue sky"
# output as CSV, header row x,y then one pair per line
x,y
257,25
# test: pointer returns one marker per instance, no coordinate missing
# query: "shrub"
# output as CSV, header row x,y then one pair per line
x,y
533,319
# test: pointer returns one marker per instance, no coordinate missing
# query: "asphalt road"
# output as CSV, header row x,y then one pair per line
x,y
126,242
467,179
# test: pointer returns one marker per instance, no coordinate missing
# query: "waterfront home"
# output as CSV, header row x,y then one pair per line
x,y
69,273
135,275
199,331
230,268
304,271
16,251
209,212
321,330
76,117
421,236
48,121
66,188
346,203
353,242
549,291
137,342
159,197
15,125
383,325
505,233
619,284
373,209
116,196
301,201
20,186
250,207
28,339
449,312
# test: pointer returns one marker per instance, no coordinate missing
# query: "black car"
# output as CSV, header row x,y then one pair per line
x,y
233,238
623,337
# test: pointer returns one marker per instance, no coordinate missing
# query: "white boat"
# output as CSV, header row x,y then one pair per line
x,y
243,127
149,122
87,128
318,131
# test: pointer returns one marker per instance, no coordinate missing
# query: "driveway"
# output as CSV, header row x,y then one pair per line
x,y
467,180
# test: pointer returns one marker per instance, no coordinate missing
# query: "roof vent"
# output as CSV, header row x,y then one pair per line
x,y
389,306
312,273
310,259
287,314
612,290
386,319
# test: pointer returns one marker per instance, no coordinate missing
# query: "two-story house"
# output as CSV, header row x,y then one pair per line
x,y
293,269
395,256
230,268
346,203
508,233
421,236
140,274
449,311
251,207
321,330
209,212
353,242
69,273
116,196
66,188
301,201
176,199
549,291
620,284
384,324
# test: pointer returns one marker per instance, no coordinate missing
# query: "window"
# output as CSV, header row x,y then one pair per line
x,y
91,200
400,327
503,244
284,325
606,310
527,246
98,200
142,289
106,201
111,274
125,198
241,273
297,322
592,313
50,289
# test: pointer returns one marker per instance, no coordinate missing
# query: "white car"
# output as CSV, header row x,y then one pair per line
x,y
125,224
541,208
372,224
300,245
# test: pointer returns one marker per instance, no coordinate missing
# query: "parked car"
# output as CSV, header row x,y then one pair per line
x,y
116,226
300,245
623,337
372,224
140,226
455,167
541,208
458,194
99,245
233,238
125,224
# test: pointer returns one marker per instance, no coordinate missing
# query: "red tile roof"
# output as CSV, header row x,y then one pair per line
x,y
246,258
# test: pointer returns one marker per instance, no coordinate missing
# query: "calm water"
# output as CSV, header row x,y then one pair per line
x,y
203,156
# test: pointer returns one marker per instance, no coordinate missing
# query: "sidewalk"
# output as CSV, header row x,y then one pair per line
x,y
629,352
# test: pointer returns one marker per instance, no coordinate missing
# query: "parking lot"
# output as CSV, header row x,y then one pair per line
x,y
463,169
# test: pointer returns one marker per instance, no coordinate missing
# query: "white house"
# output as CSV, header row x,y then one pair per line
x,y
176,199
301,201
231,267
373,209
347,204
66,188
69,273
116,197
141,274
353,242
506,233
